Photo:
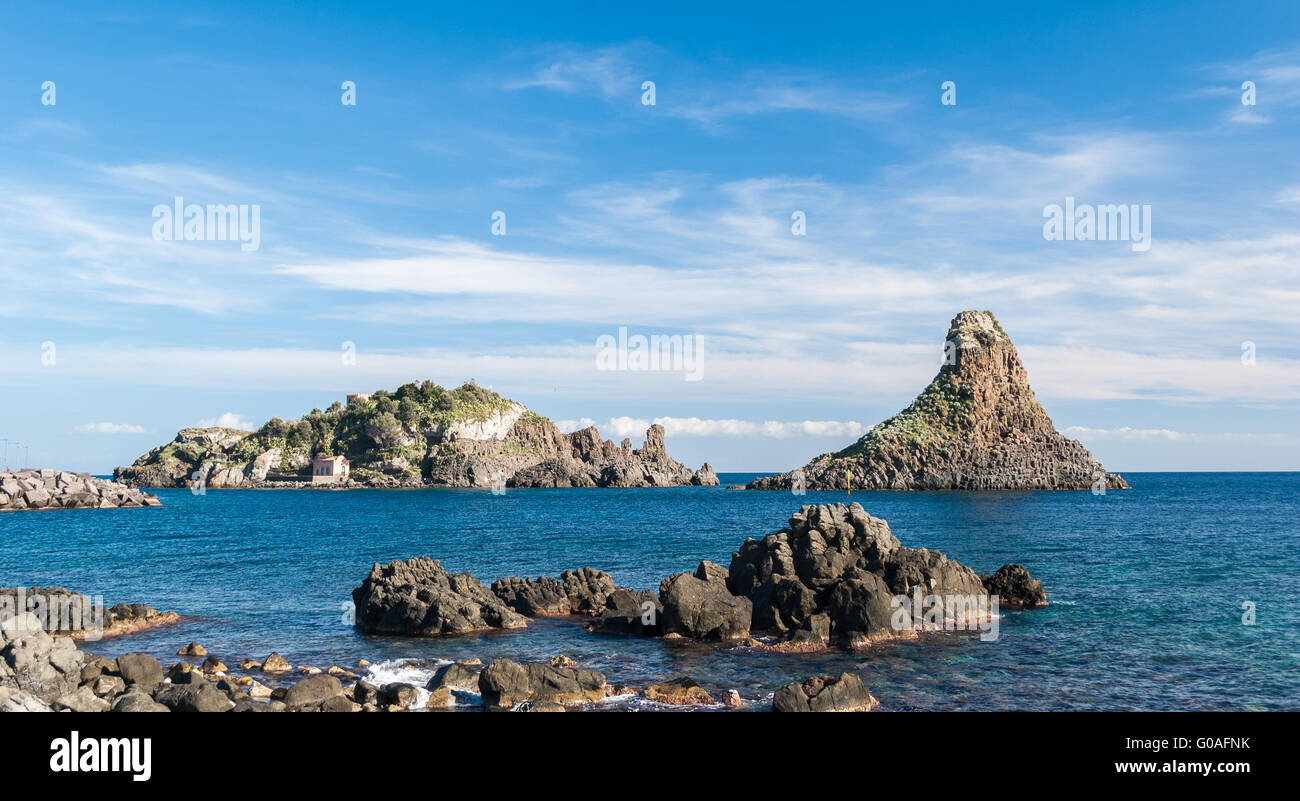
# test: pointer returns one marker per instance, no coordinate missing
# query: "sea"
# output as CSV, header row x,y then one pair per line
x,y
1182,593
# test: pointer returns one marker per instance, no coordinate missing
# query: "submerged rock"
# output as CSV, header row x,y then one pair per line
x,y
418,597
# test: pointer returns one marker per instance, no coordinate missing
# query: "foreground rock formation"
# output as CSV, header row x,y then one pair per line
x,y
419,435
418,597
59,489
64,612
842,693
977,426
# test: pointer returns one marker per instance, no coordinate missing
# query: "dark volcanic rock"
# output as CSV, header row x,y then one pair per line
x,y
504,684
576,592
839,564
418,597
1015,588
140,669
843,693
629,612
200,697
977,426
700,606
313,690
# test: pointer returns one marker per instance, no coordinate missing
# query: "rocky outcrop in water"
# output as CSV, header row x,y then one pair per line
x,y
842,693
69,613
418,597
59,489
840,561
420,435
977,426
575,592
1015,588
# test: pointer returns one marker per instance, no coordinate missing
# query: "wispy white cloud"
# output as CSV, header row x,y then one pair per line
x,y
109,428
1128,434
228,420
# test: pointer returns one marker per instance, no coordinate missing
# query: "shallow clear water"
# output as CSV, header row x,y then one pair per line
x,y
1146,585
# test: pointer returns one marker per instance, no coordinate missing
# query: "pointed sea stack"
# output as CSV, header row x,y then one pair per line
x,y
977,426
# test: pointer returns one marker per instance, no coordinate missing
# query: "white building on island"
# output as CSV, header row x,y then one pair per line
x,y
329,470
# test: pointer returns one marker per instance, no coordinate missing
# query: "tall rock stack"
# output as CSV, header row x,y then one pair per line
x,y
977,426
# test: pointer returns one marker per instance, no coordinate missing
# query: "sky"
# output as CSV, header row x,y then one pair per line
x,y
799,200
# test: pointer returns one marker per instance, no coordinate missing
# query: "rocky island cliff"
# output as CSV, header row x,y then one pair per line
x,y
977,426
420,435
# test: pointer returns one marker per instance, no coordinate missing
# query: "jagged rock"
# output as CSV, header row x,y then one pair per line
x,y
839,564
418,597
58,489
843,693
1015,588
193,649
577,592
12,700
504,684
83,699
977,426
700,606
705,477
629,612
681,691
861,611
276,664
468,437
34,662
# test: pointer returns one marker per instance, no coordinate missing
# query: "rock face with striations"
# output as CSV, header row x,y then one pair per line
x,y
977,426
418,435
839,562
59,489
419,597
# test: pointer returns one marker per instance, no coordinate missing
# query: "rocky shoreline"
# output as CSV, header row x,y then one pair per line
x,y
31,490
832,578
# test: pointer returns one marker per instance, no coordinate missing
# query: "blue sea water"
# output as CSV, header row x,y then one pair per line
x,y
1146,586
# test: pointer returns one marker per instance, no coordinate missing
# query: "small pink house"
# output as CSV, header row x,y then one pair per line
x,y
329,469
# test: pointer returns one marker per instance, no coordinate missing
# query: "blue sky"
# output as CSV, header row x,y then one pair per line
x,y
671,219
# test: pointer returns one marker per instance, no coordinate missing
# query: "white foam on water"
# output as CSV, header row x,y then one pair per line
x,y
407,671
